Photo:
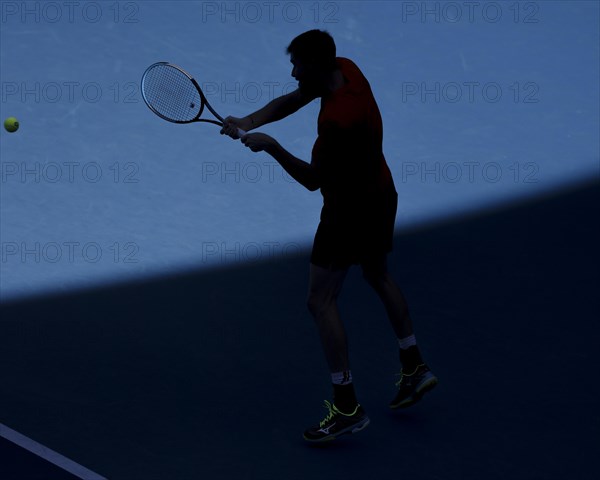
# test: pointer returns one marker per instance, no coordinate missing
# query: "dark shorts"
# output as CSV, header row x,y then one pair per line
x,y
357,236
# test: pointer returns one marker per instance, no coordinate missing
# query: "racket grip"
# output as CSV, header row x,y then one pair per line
x,y
241,132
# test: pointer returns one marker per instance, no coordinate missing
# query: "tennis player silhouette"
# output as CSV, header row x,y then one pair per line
x,y
357,219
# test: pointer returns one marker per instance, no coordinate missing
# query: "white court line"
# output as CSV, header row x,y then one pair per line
x,y
48,455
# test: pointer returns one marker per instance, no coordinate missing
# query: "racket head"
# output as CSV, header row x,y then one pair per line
x,y
171,93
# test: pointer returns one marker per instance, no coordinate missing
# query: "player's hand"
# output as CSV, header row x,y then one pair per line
x,y
258,142
231,125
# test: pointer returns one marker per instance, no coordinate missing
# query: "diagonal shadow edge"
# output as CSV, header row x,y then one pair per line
x,y
561,199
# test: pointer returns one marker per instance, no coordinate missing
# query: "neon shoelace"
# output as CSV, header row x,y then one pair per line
x,y
402,375
329,416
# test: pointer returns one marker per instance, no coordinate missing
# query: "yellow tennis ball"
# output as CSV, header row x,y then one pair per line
x,y
11,124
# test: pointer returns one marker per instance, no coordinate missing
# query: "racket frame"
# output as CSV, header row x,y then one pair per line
x,y
203,100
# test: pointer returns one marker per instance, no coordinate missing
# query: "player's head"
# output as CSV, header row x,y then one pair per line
x,y
313,55
315,47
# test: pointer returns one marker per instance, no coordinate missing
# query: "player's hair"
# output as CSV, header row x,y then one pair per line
x,y
314,46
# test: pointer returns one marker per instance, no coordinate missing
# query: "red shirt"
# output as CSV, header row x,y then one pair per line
x,y
348,151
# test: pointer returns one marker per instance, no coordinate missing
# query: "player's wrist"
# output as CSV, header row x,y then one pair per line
x,y
249,123
273,148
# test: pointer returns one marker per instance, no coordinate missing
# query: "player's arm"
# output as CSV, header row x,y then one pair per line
x,y
306,174
279,108
273,111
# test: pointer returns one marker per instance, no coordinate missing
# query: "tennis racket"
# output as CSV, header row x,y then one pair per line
x,y
175,96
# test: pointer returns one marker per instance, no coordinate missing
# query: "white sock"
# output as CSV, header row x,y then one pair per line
x,y
341,378
407,342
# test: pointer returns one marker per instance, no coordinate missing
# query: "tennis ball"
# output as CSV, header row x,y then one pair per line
x,y
11,124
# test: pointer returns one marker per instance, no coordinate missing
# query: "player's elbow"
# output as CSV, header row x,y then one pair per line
x,y
312,186
313,182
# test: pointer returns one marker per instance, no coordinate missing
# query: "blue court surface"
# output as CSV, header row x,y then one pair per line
x,y
153,277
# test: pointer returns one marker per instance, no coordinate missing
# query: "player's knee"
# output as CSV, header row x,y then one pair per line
x,y
374,276
317,304
313,304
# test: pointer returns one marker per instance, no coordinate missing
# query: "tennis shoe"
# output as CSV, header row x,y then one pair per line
x,y
336,424
412,386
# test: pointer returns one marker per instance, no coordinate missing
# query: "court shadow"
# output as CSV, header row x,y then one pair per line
x,y
215,374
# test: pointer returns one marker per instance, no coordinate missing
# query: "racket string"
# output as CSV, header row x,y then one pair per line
x,y
171,93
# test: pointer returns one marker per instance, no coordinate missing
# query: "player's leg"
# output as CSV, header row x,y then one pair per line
x,y
324,288
376,274
345,414
415,378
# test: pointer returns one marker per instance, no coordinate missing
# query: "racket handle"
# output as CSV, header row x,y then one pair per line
x,y
241,132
